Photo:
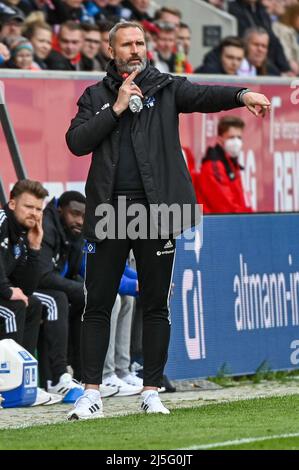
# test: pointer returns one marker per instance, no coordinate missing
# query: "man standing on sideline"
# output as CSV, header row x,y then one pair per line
x,y
136,156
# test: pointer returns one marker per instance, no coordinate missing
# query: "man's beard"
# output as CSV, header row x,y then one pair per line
x,y
125,67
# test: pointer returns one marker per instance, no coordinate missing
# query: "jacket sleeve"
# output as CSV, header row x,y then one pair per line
x,y
192,98
128,286
5,285
88,129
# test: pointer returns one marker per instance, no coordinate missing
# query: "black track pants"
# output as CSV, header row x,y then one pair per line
x,y
104,269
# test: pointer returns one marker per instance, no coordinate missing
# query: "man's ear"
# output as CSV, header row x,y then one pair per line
x,y
12,204
111,52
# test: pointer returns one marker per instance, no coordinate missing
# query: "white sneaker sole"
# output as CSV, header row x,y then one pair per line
x,y
76,417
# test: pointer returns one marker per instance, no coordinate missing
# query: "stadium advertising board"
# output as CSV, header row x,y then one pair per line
x,y
235,305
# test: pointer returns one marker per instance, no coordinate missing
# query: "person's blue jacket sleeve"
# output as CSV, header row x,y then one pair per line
x,y
128,286
130,273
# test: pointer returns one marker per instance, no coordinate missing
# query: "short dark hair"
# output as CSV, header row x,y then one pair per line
x,y
31,28
123,25
69,196
229,121
231,41
184,26
28,186
105,26
172,11
71,26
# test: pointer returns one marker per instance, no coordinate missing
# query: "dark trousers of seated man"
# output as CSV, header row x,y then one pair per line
x,y
61,325
21,323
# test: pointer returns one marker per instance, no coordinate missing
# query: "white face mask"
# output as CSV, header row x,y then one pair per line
x,y
233,146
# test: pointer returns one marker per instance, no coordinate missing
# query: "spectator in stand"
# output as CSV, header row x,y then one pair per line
x,y
116,11
40,35
68,54
104,55
91,44
138,8
225,58
184,39
165,47
257,60
60,11
288,30
11,22
220,187
169,15
21,51
107,10
250,13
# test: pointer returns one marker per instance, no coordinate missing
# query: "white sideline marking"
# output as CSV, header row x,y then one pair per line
x,y
240,441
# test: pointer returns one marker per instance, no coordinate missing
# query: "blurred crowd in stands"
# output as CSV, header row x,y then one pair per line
x,y
72,35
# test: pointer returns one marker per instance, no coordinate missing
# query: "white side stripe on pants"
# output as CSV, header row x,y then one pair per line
x,y
10,319
170,286
50,303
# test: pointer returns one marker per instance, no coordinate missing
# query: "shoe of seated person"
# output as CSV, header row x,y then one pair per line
x,y
108,391
88,406
133,379
65,385
42,397
151,403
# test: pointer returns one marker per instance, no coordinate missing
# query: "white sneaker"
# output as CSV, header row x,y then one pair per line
x,y
133,379
88,406
151,403
107,391
123,389
42,397
65,384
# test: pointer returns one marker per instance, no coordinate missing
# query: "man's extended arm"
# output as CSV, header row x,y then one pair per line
x,y
211,99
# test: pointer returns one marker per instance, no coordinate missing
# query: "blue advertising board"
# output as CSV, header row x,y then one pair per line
x,y
236,297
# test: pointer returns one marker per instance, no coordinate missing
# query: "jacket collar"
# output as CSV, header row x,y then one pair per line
x,y
16,230
147,80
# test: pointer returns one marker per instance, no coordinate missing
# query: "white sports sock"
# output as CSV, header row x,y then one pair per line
x,y
145,395
93,394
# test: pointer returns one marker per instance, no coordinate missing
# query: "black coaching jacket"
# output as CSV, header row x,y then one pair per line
x,y
154,133
19,264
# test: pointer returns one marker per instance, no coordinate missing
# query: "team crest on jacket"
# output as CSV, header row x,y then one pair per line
x,y
4,244
150,102
17,251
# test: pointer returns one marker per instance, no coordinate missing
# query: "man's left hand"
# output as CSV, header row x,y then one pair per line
x,y
257,103
35,235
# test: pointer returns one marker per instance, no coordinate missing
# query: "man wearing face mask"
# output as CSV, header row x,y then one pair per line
x,y
220,187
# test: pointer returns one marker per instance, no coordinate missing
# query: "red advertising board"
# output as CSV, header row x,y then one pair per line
x,y
41,110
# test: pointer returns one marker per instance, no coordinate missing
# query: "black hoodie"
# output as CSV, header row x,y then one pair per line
x,y
61,253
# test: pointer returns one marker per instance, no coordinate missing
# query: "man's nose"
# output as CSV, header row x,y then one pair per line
x,y
134,48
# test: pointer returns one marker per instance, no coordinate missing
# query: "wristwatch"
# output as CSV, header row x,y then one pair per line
x,y
240,95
